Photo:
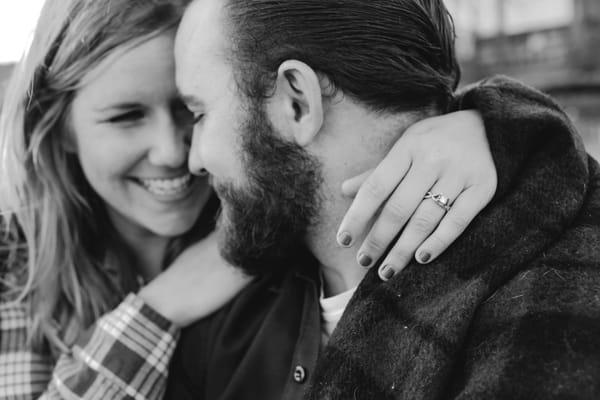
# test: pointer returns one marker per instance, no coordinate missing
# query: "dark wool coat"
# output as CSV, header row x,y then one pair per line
x,y
512,309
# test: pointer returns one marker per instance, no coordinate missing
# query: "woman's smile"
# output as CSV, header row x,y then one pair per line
x,y
168,188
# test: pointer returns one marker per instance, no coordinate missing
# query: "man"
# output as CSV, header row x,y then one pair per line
x,y
293,97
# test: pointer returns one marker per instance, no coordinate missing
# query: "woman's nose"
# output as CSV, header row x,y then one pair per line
x,y
170,143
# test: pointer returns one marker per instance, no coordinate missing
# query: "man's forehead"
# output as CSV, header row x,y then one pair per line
x,y
200,43
201,30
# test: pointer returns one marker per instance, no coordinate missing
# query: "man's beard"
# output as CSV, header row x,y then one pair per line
x,y
264,223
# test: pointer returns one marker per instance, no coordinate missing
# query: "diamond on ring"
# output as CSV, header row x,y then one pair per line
x,y
439,199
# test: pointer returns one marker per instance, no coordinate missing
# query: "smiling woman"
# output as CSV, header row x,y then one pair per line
x,y
130,132
96,201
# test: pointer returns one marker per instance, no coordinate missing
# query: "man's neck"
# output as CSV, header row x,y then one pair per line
x,y
340,279
353,140
338,265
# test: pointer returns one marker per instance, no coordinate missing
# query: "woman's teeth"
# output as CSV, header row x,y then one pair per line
x,y
167,187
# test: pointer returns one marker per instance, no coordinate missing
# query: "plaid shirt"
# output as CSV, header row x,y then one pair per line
x,y
124,355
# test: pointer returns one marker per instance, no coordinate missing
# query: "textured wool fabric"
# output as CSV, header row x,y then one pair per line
x,y
512,309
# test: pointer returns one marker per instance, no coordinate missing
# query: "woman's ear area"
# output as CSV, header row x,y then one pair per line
x,y
296,107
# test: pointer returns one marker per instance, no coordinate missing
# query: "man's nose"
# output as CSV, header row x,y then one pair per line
x,y
196,163
169,148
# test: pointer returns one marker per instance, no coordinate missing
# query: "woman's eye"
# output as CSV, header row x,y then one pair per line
x,y
129,116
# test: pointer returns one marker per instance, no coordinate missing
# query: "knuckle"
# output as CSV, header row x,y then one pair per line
x,y
351,221
399,257
374,188
356,218
458,222
394,210
432,157
437,242
438,160
373,245
422,223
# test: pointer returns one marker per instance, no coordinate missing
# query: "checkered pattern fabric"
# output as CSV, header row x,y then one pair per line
x,y
125,355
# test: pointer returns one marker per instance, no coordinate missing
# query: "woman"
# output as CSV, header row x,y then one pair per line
x,y
97,202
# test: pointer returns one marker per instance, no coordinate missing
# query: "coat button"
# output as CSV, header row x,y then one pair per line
x,y
299,374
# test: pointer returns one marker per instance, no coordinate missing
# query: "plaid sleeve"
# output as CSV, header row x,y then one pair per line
x,y
124,356
24,374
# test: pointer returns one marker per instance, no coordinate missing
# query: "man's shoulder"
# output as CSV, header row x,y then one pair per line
x,y
510,312
568,268
537,336
541,329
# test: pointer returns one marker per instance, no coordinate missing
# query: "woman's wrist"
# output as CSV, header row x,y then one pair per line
x,y
155,297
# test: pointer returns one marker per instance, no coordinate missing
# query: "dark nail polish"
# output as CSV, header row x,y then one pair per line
x,y
364,260
386,272
425,256
345,239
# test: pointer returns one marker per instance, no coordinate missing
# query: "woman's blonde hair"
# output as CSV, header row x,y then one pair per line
x,y
57,249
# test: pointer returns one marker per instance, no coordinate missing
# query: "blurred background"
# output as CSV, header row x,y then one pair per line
x,y
550,44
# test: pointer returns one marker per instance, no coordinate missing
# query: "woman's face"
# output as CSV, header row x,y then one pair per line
x,y
131,133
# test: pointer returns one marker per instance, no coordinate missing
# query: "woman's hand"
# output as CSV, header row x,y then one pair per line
x,y
198,283
447,155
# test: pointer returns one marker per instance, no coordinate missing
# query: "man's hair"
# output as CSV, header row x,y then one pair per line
x,y
390,55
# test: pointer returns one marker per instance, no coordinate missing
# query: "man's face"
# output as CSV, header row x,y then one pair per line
x,y
268,186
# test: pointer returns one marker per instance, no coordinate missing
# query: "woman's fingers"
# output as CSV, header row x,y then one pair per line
x,y
373,192
351,187
393,216
445,155
463,211
422,223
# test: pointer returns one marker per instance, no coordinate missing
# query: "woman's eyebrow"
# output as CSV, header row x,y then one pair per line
x,y
118,106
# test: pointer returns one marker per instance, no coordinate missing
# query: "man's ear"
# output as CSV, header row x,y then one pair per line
x,y
297,105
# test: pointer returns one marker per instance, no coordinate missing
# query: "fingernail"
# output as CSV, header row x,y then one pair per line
x,y
424,257
364,260
386,272
345,239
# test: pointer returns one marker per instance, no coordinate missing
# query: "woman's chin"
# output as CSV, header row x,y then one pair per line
x,y
173,228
